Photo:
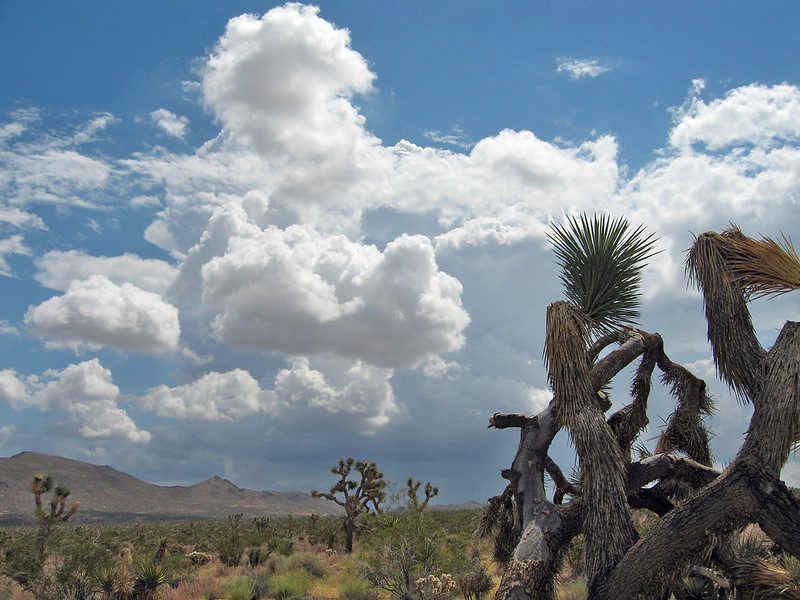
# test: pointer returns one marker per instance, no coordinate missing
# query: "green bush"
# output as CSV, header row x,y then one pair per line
x,y
405,546
308,562
282,546
240,588
262,584
358,589
290,584
231,544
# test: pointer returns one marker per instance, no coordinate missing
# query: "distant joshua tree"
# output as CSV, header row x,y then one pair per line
x,y
355,496
55,512
700,507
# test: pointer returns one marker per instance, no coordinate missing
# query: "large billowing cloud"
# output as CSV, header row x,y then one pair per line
x,y
84,392
299,292
96,312
283,83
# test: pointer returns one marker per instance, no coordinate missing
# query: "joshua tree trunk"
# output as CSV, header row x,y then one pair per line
x,y
349,530
700,506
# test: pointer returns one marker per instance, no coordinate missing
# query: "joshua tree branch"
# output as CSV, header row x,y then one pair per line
x,y
563,485
605,370
779,516
737,352
506,420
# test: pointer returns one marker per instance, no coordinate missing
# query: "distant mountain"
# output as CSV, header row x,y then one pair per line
x,y
108,494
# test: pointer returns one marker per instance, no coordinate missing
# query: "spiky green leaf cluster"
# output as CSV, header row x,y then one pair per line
x,y
601,260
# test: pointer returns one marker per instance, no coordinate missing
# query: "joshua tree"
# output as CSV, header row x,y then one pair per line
x,y
700,507
356,497
412,490
48,517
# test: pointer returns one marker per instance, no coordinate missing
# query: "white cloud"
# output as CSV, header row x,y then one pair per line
x,y
754,114
20,218
96,312
298,292
214,397
88,132
577,68
51,167
456,137
84,391
170,123
283,82
12,245
58,269
7,328
355,391
349,390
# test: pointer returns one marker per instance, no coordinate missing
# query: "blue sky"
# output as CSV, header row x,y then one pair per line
x,y
246,239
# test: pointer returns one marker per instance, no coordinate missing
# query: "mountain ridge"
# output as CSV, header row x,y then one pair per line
x,y
108,494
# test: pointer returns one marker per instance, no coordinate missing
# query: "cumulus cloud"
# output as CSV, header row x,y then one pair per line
x,y
283,86
85,392
299,292
57,269
577,68
753,114
214,397
170,123
283,81
12,245
97,312
353,390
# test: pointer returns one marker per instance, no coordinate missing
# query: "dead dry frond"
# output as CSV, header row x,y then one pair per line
x,y
765,267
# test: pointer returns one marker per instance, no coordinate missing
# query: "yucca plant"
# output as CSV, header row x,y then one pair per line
x,y
149,577
601,260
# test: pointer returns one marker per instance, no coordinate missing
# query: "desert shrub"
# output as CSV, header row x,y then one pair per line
x,y
751,545
574,589
329,535
475,583
240,588
290,584
575,556
698,588
405,546
308,562
206,588
282,546
358,589
257,556
432,587
199,558
262,584
231,544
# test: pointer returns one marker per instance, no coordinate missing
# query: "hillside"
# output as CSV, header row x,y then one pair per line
x,y
108,494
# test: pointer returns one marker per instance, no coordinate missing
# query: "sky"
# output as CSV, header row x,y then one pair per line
x,y
246,239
